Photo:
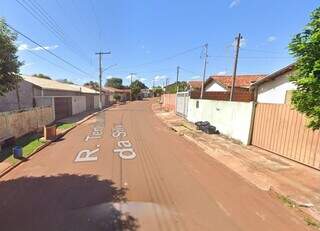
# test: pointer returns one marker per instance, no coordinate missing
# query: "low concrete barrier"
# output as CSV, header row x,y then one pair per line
x,y
232,119
19,123
169,102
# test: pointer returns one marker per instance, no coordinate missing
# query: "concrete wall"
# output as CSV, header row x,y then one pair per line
x,y
9,101
59,93
78,104
169,102
232,119
213,86
19,123
274,91
96,101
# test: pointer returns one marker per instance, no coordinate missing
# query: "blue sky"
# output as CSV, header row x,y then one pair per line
x,y
146,37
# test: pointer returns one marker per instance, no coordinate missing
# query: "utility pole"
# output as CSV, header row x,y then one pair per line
x,y
100,75
204,69
131,74
177,83
238,40
166,85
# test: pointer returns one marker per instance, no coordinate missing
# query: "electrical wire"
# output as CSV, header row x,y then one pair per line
x,y
45,49
42,16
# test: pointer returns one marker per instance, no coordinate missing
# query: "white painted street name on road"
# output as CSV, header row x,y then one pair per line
x,y
88,155
124,149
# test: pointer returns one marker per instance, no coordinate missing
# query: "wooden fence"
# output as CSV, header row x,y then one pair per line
x,y
225,96
282,130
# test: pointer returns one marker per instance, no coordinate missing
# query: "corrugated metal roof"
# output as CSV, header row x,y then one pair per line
x,y
56,85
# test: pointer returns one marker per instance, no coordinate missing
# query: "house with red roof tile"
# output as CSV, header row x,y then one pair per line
x,y
223,83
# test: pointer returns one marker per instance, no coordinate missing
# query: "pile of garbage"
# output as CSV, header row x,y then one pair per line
x,y
206,127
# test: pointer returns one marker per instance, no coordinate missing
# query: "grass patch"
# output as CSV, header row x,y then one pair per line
x,y
312,222
28,143
65,126
291,204
288,202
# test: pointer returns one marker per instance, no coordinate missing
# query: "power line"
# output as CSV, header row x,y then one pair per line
x,y
262,51
42,16
189,71
48,61
97,22
166,58
45,49
252,57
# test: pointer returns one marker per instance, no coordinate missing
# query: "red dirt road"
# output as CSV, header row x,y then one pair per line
x,y
170,184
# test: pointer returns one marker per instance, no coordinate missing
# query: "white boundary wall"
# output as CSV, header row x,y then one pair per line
x,y
232,119
78,104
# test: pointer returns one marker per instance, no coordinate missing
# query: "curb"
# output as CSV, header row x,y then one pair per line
x,y
306,212
47,143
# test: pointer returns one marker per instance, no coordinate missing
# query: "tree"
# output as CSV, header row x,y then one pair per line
x,y
305,47
43,76
172,88
157,91
136,87
114,82
93,85
65,81
9,63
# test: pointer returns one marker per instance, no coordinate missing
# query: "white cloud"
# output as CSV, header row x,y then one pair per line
x,y
196,77
133,77
46,47
234,3
110,77
271,38
142,79
243,42
24,46
158,77
27,64
222,73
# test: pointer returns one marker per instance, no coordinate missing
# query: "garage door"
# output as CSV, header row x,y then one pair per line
x,y
63,107
90,102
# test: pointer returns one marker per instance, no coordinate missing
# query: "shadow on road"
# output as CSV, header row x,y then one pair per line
x,y
63,202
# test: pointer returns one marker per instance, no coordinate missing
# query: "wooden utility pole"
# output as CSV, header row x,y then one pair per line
x,y
177,83
131,74
167,80
238,40
204,69
100,75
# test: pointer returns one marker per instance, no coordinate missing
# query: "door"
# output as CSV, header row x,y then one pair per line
x,y
90,102
63,107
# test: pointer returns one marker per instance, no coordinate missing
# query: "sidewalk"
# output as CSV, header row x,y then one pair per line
x,y
266,170
71,121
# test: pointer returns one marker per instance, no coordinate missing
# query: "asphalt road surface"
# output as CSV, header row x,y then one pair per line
x,y
125,170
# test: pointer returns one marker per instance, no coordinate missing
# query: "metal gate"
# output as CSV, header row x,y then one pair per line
x,y
89,102
182,101
282,130
62,107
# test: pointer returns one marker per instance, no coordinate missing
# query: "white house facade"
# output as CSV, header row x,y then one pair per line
x,y
275,87
213,86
